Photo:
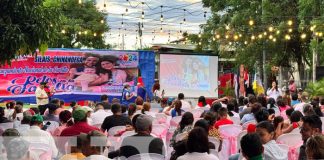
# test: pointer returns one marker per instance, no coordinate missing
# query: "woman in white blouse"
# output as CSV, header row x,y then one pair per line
x,y
197,145
272,150
274,92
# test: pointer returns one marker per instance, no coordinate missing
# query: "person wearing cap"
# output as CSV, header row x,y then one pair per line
x,y
80,124
24,126
52,114
37,135
117,119
41,95
142,142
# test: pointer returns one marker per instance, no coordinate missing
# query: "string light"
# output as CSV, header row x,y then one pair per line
x,y
80,1
320,34
102,34
251,22
236,37
265,33
270,37
161,19
260,36
253,37
287,37
230,43
217,36
312,28
142,27
214,39
102,21
79,33
199,43
63,31
161,29
240,35
85,32
290,30
184,16
303,36
143,15
226,36
274,40
245,42
199,35
126,11
278,32
316,33
290,22
270,29
95,34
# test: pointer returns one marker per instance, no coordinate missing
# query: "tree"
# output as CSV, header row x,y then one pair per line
x,y
82,25
24,27
251,27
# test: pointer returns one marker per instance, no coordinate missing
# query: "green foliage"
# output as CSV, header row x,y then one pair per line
x,y
82,24
228,90
232,18
24,27
316,89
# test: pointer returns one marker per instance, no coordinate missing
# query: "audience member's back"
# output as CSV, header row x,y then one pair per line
x,y
251,147
117,119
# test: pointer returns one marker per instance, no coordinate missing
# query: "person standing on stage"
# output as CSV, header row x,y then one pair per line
x,y
49,90
126,95
41,95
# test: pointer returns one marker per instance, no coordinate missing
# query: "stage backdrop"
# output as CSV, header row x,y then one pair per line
x,y
74,74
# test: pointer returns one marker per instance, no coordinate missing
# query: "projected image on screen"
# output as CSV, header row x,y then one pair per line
x,y
190,74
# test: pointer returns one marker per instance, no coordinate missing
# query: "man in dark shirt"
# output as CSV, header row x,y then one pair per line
x,y
311,125
116,119
3,119
105,102
142,142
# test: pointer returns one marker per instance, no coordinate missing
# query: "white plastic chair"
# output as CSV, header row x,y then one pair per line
x,y
114,130
7,125
284,147
197,112
53,125
175,121
43,151
216,142
97,125
293,141
296,130
246,124
229,134
160,130
239,137
161,118
236,120
146,156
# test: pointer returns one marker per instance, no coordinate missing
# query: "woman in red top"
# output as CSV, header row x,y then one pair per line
x,y
222,112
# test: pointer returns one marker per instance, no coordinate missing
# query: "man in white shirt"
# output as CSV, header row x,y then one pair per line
x,y
99,115
37,135
24,127
185,105
41,95
300,106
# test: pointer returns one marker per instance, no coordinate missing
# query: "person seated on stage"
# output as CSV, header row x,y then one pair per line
x,y
117,119
223,118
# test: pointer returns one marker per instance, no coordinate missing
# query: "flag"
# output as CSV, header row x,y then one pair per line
x,y
257,85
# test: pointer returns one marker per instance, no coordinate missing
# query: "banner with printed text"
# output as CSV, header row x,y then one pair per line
x,y
71,71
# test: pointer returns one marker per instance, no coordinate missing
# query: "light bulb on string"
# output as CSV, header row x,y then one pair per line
x,y
287,37
227,27
122,23
290,22
142,14
205,14
270,37
260,36
236,37
253,37
79,33
80,1
245,42
312,28
320,34
303,36
102,35
274,40
226,36
290,30
63,31
240,35
126,11
265,33
95,34
142,27
270,29
161,19
161,30
102,21
214,39
199,35
251,22
184,21
85,32
278,32
217,36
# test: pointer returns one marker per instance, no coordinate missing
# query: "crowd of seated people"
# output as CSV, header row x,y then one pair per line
x,y
125,131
